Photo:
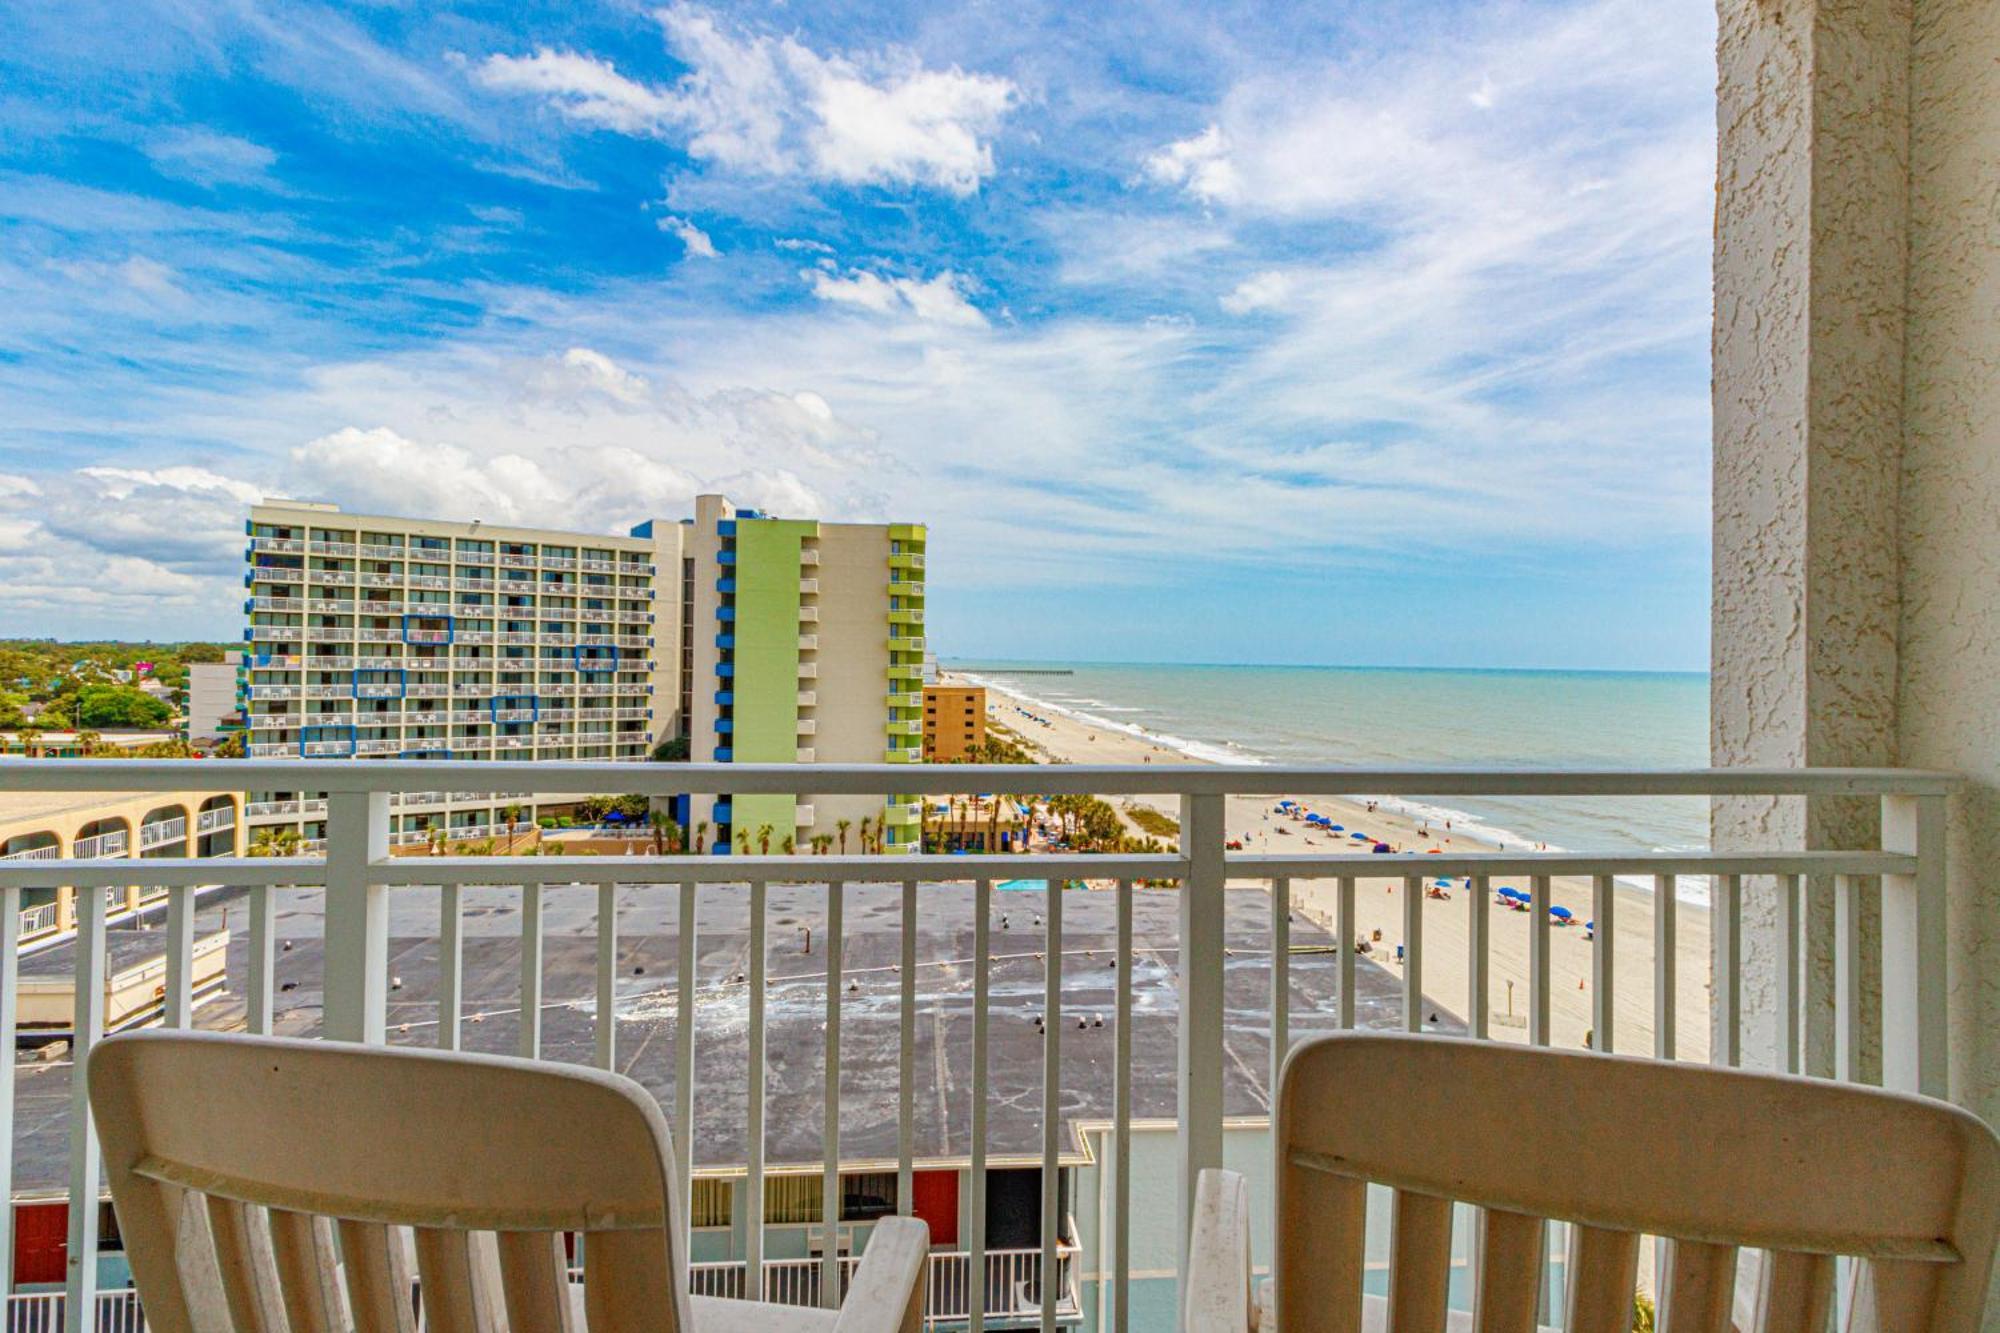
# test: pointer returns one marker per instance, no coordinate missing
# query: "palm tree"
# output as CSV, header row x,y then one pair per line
x,y
865,827
763,840
513,816
843,825
700,835
743,842
789,846
658,820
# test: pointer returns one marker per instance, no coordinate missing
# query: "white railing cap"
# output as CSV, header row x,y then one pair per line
x,y
875,779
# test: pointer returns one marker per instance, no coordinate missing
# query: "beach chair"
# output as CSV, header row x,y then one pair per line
x,y
270,1184
1791,1172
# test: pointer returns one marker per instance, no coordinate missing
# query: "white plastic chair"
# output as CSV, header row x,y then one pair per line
x,y
266,1184
1714,1160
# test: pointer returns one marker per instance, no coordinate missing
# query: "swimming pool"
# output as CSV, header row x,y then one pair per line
x,y
1020,885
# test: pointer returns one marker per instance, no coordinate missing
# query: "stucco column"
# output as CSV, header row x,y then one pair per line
x,y
1808,363
1948,696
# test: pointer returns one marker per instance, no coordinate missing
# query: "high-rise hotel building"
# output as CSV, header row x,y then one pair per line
x,y
805,643
754,638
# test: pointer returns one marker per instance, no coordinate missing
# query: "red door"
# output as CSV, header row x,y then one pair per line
x,y
41,1241
934,1197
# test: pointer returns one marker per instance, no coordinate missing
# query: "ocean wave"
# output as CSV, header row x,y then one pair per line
x,y
1693,890
1206,751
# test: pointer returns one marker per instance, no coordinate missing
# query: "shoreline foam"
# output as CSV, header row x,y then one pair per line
x,y
1693,890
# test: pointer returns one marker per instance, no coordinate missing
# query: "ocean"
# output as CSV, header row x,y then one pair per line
x,y
1422,718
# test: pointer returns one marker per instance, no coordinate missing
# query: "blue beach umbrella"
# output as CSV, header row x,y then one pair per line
x,y
1561,913
1337,828
1505,891
1359,837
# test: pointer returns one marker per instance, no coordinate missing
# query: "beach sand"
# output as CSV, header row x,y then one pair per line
x,y
1379,903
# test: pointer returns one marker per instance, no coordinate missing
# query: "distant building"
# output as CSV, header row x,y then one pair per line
x,y
212,709
805,643
753,638
374,636
954,722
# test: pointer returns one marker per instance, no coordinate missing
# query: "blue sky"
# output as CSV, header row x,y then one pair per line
x,y
1340,332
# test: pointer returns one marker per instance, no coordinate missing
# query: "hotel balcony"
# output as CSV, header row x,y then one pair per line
x,y
1035,1055
1225,955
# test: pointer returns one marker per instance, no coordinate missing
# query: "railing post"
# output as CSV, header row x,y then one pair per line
x,y
86,1163
1915,1053
10,987
1202,969
357,917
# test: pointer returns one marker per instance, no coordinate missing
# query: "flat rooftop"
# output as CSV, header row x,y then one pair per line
x,y
795,1007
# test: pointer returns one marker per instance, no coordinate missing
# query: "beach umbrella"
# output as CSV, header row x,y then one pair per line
x,y
1506,891
1359,837
1337,828
1561,913
1444,881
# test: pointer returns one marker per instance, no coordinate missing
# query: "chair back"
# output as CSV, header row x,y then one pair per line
x,y
270,1184
1712,1160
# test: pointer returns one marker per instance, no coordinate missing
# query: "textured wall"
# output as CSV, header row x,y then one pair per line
x,y
1949,701
1808,354
1857,439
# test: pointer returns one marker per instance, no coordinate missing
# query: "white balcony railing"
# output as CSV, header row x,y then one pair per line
x,y
162,831
1196,961
1012,1287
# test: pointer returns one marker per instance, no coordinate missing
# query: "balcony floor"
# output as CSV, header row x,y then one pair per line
x,y
648,948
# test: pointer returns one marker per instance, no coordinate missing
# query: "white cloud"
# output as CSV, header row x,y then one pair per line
x,y
585,89
696,240
771,106
208,158
1263,291
582,370
937,300
119,542
1201,163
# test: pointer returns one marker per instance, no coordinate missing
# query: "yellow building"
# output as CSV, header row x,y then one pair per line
x,y
139,825
954,722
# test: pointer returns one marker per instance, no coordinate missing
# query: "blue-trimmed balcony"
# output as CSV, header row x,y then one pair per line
x,y
725,641
725,725
725,698
725,669
726,585
725,613
722,754
725,557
